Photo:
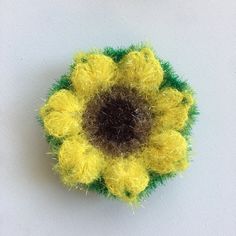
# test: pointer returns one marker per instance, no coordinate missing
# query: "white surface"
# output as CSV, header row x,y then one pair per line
x,y
37,41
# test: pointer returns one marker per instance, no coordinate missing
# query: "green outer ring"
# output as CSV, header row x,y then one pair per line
x,y
171,79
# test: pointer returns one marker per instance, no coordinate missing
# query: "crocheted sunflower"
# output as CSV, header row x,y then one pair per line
x,y
119,122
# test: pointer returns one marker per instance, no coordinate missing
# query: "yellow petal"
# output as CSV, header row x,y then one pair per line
x,y
172,109
167,153
174,118
141,69
78,162
126,178
95,72
168,98
61,124
61,101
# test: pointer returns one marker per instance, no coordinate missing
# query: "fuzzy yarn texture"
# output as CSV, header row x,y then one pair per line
x,y
119,122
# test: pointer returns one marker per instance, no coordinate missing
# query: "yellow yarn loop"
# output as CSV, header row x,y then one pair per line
x,y
126,178
167,153
172,107
61,124
62,114
79,162
92,74
141,69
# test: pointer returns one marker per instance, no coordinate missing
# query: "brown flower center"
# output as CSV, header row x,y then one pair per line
x,y
118,121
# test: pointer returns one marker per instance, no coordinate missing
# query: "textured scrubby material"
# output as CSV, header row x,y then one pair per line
x,y
179,88
118,121
74,157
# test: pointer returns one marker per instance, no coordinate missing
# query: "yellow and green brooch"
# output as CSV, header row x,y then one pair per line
x,y
119,122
